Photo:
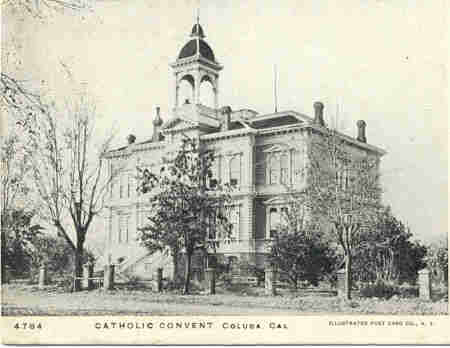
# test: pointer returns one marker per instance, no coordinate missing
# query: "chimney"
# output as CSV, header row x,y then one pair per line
x,y
361,124
226,118
131,139
157,122
318,114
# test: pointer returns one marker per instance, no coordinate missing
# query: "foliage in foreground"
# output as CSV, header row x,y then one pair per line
x,y
387,253
301,256
187,206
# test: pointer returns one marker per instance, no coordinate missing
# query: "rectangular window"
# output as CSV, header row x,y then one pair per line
x,y
215,173
235,170
121,179
233,216
129,185
284,171
211,227
274,169
278,218
274,222
119,229
112,183
260,168
127,228
147,267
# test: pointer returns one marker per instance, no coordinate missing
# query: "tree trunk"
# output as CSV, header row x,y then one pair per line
x,y
175,265
3,255
78,269
348,276
187,275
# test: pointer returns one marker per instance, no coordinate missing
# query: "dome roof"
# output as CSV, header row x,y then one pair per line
x,y
190,49
197,30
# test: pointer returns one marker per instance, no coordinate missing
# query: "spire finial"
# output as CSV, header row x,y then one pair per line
x,y
197,30
275,82
198,12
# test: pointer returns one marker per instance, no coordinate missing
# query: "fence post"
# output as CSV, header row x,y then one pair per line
x,y
88,271
210,277
42,277
424,280
108,282
158,279
270,280
341,283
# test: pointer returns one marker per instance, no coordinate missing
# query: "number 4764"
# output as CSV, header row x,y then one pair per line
x,y
28,326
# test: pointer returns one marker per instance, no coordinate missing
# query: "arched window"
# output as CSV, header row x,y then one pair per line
x,y
207,92
274,222
284,171
186,89
235,171
274,169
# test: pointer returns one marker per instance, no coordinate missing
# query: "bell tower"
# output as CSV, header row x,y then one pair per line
x,y
196,64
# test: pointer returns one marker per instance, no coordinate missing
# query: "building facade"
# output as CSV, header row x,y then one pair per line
x,y
260,154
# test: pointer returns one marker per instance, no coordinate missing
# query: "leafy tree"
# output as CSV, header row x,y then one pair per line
x,y
184,200
437,260
55,253
70,173
20,234
301,256
387,253
15,169
342,192
299,250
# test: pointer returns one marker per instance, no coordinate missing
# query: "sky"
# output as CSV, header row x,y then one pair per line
x,y
381,61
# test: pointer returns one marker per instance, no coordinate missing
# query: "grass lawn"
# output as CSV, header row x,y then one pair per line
x,y
28,300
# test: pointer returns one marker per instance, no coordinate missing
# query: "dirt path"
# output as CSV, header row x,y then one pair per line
x,y
96,303
28,300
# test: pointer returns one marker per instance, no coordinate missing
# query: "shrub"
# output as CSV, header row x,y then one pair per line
x,y
378,289
302,255
382,289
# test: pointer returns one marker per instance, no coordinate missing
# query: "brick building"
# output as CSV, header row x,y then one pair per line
x,y
259,153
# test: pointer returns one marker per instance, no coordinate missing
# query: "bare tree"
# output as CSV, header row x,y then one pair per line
x,y
343,191
70,173
17,96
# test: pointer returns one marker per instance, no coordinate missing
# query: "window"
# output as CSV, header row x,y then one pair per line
x,y
342,178
277,218
127,228
211,227
119,229
148,267
233,216
215,173
113,179
274,222
284,171
121,184
274,170
123,229
129,185
235,171
260,168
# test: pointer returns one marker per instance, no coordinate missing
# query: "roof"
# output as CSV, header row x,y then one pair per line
x,y
197,30
190,50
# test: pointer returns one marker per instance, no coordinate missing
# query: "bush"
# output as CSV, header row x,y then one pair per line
x,y
378,289
302,255
386,290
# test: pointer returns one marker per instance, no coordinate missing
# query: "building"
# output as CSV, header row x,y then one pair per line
x,y
259,153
